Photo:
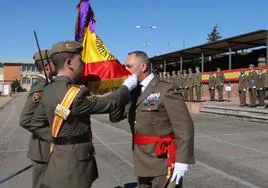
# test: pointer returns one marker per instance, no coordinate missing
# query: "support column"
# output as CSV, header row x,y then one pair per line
x,y
181,64
266,48
202,62
165,66
230,58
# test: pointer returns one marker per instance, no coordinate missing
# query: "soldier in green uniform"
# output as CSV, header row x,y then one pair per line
x,y
197,83
219,83
184,85
260,87
72,163
211,86
159,119
242,88
266,83
190,84
38,150
179,79
252,77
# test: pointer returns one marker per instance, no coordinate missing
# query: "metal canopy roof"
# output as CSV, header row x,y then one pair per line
x,y
240,42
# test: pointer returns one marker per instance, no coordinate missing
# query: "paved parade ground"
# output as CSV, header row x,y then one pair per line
x,y
230,153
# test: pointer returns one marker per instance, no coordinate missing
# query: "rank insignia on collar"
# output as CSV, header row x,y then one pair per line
x,y
36,97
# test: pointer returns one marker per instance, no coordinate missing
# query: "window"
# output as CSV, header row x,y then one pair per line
x,y
23,81
29,68
24,68
29,81
34,80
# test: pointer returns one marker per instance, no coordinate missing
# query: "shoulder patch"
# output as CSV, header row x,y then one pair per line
x,y
36,97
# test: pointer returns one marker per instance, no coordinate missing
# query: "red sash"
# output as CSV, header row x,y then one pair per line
x,y
164,145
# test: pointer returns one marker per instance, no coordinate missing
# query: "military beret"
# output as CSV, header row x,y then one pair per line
x,y
44,53
66,47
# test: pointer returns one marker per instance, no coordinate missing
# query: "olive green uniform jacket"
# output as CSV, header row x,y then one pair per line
x,y
74,165
168,115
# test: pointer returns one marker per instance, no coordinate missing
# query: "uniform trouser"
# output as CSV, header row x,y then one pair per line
x,y
212,94
157,182
261,97
252,96
198,93
39,169
185,94
220,92
242,97
191,93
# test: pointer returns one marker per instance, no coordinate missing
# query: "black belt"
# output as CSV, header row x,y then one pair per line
x,y
69,140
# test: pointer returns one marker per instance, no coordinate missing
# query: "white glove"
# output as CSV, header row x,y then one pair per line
x,y
178,172
131,82
212,88
245,89
254,87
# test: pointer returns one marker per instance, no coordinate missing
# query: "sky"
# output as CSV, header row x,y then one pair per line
x,y
179,23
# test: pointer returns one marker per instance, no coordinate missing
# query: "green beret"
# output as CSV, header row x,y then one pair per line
x,y
66,47
44,53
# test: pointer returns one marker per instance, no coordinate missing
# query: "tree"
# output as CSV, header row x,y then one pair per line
x,y
214,35
16,86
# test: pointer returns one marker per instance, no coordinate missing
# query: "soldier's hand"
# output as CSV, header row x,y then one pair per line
x,y
131,82
245,89
179,171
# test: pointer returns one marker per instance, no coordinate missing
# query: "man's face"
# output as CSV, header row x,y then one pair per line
x,y
77,66
135,67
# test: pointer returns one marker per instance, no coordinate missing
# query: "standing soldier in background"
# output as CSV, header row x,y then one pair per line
x,y
252,77
160,75
260,88
184,85
174,80
164,76
211,86
242,88
168,77
219,83
179,79
266,83
190,84
38,148
198,84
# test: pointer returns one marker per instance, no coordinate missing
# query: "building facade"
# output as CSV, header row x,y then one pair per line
x,y
23,70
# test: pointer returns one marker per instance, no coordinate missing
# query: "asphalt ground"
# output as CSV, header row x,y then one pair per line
x,y
230,153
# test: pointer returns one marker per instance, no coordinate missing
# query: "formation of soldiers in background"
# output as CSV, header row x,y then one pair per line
x,y
190,83
255,83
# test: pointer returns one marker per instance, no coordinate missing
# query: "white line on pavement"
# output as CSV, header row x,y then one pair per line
x,y
234,178
114,152
228,176
237,145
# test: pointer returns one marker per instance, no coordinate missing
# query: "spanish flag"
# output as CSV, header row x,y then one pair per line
x,y
102,69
